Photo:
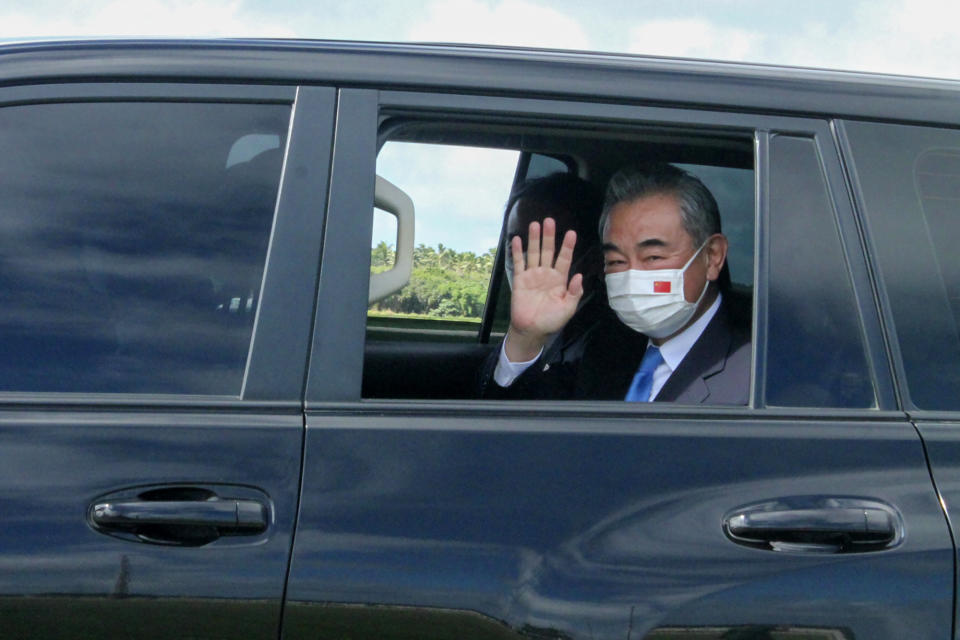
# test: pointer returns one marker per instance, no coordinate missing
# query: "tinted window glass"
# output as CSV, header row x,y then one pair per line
x,y
815,353
133,241
910,182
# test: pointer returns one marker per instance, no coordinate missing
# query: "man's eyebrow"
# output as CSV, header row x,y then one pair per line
x,y
651,242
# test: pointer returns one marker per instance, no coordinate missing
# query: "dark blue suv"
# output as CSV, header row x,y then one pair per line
x,y
215,422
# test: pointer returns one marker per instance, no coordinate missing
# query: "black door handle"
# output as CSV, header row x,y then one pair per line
x,y
181,515
234,516
836,526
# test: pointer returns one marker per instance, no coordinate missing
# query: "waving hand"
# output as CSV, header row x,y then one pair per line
x,y
543,300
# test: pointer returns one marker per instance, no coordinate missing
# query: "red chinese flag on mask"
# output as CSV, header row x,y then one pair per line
x,y
661,286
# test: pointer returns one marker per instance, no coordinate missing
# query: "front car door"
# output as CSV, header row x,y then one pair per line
x,y
157,278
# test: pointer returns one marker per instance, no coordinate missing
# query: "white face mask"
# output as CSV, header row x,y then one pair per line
x,y
652,301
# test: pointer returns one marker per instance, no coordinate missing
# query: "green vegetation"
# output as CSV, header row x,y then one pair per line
x,y
444,283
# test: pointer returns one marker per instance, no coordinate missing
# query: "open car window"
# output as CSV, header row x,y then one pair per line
x,y
458,194
433,339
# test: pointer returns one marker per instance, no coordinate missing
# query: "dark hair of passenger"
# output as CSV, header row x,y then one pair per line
x,y
698,208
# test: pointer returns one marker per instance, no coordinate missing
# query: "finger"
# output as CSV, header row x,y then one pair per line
x,y
533,246
565,257
516,254
575,288
549,242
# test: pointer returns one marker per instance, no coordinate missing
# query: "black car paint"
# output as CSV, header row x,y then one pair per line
x,y
600,526
62,578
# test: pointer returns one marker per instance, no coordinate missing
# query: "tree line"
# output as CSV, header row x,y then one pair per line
x,y
445,283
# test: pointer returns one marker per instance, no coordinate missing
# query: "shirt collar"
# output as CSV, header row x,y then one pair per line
x,y
676,348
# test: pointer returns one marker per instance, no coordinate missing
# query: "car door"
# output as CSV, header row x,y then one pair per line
x,y
809,513
157,282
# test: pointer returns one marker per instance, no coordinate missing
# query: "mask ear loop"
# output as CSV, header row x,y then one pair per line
x,y
706,284
694,256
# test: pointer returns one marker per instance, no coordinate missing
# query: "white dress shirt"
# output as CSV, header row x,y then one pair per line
x,y
507,371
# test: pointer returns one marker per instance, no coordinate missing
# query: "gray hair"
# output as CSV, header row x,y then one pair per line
x,y
699,213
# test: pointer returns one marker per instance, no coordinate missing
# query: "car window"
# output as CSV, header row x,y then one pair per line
x,y
134,238
908,178
458,193
479,181
815,351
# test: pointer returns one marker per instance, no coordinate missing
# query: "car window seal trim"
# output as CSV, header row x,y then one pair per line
x,y
16,399
569,408
146,90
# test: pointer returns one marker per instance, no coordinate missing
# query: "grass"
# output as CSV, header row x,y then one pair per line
x,y
413,327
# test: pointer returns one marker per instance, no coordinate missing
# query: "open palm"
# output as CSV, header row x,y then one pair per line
x,y
543,300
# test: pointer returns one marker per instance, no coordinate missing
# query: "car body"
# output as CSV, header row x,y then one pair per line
x,y
203,435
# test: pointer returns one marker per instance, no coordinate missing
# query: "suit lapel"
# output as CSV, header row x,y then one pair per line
x,y
707,357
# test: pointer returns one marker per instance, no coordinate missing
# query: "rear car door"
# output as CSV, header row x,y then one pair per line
x,y
906,180
159,257
808,513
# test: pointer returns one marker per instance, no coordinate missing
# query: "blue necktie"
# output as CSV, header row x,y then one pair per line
x,y
643,379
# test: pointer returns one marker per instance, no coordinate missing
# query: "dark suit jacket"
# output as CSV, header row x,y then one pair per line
x,y
565,351
716,370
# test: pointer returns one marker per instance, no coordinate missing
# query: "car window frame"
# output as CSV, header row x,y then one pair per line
x,y
339,386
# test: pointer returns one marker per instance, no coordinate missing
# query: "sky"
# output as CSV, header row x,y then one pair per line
x,y
913,37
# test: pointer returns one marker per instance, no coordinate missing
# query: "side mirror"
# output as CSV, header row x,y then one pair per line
x,y
390,198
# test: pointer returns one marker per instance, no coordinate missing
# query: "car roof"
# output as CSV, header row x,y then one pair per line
x,y
525,73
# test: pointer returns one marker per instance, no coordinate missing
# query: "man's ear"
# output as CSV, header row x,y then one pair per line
x,y
716,252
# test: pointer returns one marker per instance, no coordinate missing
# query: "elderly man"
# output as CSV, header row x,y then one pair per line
x,y
677,335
